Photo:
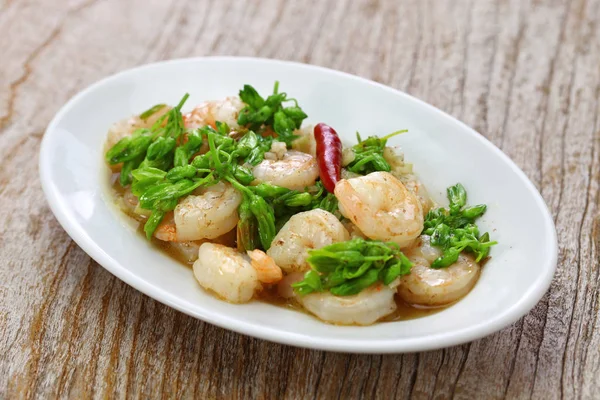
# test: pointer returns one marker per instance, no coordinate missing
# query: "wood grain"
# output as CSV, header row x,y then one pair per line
x,y
523,73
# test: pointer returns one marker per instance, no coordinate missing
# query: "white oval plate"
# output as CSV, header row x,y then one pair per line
x,y
444,151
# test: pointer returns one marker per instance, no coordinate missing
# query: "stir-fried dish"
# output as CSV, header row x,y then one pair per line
x,y
267,208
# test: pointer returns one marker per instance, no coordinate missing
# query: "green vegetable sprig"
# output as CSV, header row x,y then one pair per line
x,y
284,199
270,112
278,205
159,191
287,202
252,147
162,164
155,163
368,154
454,229
222,158
148,147
347,268
163,197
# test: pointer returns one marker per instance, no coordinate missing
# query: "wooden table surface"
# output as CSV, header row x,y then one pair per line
x,y
526,74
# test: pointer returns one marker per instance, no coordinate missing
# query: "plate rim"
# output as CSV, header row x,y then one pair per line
x,y
79,235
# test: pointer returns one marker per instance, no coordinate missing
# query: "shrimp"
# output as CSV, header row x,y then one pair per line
x,y
166,230
208,113
381,207
364,308
188,251
304,231
266,269
294,170
207,216
226,272
436,287
414,185
404,172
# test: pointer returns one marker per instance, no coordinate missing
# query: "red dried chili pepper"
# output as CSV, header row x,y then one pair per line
x,y
329,155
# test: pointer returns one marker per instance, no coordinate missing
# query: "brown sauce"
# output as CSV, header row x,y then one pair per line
x,y
404,311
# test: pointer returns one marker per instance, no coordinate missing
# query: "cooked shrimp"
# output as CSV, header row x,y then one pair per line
x,y
414,185
208,113
206,216
295,170
381,207
266,269
422,248
436,287
304,231
363,308
188,251
226,272
167,231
